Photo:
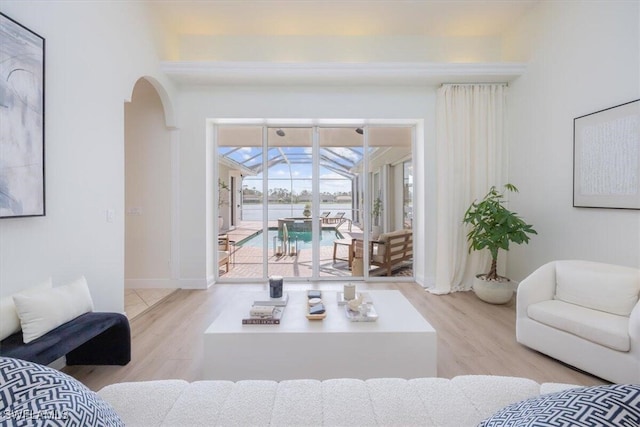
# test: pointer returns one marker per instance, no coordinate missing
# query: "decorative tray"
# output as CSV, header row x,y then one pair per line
x,y
356,316
312,302
342,301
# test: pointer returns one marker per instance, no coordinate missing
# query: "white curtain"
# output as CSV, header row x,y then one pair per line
x,y
471,154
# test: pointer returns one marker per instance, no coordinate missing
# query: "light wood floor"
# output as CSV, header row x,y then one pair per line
x,y
473,338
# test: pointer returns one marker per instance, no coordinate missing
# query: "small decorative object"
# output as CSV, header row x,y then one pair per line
x,y
354,303
22,121
307,210
606,158
493,227
349,291
275,287
361,309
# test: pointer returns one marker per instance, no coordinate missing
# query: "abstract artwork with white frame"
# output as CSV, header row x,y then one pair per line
x,y
606,158
22,117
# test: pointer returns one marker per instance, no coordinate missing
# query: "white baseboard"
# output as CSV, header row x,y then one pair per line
x,y
166,283
193,283
152,283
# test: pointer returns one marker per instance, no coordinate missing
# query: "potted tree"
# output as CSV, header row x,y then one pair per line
x,y
376,212
307,210
494,227
222,201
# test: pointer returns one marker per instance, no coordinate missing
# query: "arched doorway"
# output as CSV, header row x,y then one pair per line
x,y
148,199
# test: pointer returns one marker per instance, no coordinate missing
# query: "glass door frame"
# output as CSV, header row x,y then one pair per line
x,y
315,125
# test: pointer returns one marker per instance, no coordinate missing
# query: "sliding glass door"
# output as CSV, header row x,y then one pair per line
x,y
310,202
290,202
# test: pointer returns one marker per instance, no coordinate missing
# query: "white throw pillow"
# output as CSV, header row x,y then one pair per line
x,y
40,313
610,288
9,320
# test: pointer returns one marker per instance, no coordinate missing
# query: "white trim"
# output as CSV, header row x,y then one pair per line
x,y
168,283
151,283
194,283
175,205
403,73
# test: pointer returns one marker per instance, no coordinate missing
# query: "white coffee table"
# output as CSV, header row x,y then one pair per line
x,y
400,344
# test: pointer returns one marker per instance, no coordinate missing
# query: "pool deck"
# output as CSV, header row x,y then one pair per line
x,y
247,261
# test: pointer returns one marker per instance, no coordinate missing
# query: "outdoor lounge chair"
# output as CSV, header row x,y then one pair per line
x,y
333,219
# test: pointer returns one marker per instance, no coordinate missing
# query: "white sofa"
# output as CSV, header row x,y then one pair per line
x,y
34,394
461,401
585,314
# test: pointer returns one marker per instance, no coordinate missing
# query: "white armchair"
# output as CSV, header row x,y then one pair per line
x,y
585,314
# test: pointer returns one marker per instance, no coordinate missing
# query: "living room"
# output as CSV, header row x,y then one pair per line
x,y
561,60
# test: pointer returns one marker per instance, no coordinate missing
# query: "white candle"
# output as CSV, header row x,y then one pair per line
x,y
349,291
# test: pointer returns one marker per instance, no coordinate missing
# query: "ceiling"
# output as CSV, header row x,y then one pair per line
x,y
254,21
435,18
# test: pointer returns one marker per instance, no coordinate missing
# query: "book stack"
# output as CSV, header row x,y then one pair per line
x,y
264,315
282,301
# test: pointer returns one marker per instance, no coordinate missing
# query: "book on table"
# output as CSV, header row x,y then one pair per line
x,y
264,315
282,301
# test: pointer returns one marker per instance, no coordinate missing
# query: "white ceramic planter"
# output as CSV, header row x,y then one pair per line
x,y
492,292
375,232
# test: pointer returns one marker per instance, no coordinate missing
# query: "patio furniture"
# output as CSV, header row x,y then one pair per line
x,y
224,252
325,214
342,242
389,251
337,218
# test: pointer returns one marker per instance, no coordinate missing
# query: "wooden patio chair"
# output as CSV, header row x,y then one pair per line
x,y
224,252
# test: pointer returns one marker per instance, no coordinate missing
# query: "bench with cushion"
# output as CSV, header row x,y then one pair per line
x,y
89,339
45,323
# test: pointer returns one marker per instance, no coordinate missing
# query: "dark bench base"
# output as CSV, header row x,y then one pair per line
x,y
89,339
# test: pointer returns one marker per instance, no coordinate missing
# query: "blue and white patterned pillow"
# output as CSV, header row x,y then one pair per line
x,y
35,395
616,405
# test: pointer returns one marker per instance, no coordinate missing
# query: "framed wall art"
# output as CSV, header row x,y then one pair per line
x,y
22,117
606,158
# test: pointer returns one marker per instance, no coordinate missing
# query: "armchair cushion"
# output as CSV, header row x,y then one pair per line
x,y
612,289
599,327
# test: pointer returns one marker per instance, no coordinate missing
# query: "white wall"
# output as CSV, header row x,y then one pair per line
x,y
200,104
147,191
95,52
583,57
365,48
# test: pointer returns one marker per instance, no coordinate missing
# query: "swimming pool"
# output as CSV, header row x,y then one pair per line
x,y
328,235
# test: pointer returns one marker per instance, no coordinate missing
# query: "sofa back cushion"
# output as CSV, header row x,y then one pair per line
x,y
610,288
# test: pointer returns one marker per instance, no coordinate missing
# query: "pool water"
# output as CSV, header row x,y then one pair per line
x,y
328,235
